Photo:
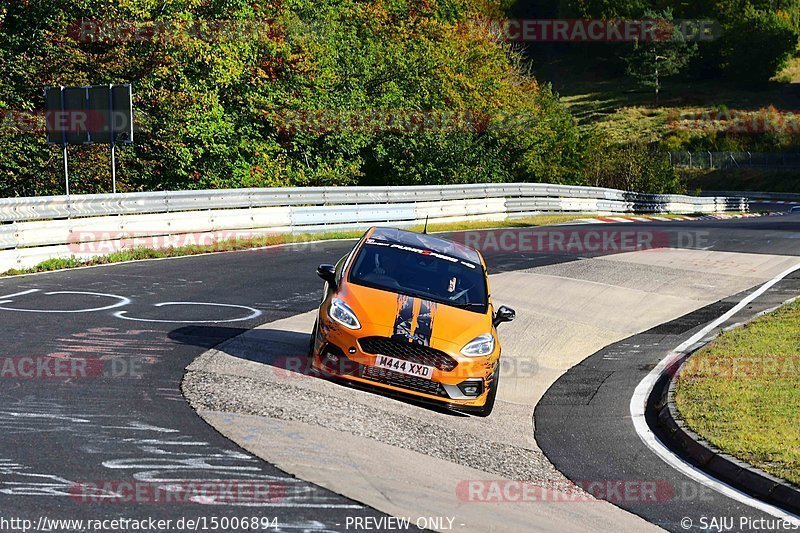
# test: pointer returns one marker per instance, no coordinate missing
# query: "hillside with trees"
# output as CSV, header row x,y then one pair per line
x,y
737,90
263,93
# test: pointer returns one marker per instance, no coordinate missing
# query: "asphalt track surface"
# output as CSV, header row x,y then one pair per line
x,y
130,424
772,206
585,416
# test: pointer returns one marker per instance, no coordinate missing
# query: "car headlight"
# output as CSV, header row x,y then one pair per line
x,y
341,313
480,346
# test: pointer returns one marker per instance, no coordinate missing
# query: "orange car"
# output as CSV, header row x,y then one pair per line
x,y
411,313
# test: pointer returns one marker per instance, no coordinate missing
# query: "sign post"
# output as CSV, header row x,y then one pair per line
x,y
98,114
113,140
66,170
64,143
113,168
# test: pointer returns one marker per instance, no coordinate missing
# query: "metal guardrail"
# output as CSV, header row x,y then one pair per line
x,y
54,207
35,229
760,196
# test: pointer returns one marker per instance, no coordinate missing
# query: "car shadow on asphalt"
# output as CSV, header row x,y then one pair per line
x,y
285,352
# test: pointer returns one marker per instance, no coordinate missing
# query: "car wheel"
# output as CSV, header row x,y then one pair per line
x,y
487,409
311,345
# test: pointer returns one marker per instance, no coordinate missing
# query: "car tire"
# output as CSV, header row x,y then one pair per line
x,y
488,407
311,344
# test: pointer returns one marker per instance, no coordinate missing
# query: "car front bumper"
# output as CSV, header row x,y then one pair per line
x,y
339,352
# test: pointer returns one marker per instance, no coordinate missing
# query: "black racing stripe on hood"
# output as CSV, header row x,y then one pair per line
x,y
424,331
405,329
405,317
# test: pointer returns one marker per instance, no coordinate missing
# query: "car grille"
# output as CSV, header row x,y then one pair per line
x,y
403,381
407,351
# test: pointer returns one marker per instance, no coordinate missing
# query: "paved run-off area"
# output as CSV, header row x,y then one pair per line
x,y
410,461
130,424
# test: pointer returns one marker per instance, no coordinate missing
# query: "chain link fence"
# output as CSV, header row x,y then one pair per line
x,y
724,160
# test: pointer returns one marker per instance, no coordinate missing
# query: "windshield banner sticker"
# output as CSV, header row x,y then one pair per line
x,y
420,251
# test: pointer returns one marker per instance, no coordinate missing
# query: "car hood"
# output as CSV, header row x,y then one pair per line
x,y
389,313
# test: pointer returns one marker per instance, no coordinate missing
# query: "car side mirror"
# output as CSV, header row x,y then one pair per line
x,y
328,273
504,314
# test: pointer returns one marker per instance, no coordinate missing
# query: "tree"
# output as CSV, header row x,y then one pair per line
x,y
756,45
666,55
211,106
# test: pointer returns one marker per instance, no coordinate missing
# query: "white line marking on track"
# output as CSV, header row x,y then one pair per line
x,y
645,388
254,313
122,302
23,293
140,426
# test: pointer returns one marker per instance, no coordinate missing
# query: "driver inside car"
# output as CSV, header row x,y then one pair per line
x,y
385,265
452,284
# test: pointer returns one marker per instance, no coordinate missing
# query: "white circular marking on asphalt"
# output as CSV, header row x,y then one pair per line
x,y
122,302
5,299
254,313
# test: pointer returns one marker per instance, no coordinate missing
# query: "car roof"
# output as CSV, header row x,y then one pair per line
x,y
427,242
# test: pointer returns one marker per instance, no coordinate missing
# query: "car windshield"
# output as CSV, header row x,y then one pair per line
x,y
422,273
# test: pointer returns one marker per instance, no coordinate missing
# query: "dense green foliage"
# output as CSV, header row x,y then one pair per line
x,y
756,45
735,79
234,108
630,167
752,39
239,93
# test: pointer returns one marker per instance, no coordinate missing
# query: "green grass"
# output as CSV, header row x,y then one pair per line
x,y
742,393
527,222
790,73
138,254
625,111
746,179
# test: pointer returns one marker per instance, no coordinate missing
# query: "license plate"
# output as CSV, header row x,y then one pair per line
x,y
404,367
